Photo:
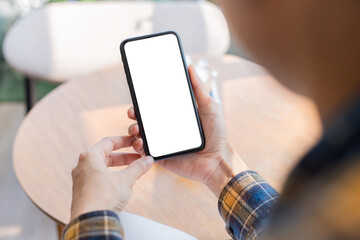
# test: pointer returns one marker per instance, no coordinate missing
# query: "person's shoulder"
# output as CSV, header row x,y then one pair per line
x,y
327,206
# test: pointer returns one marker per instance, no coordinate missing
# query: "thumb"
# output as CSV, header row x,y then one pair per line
x,y
138,168
202,96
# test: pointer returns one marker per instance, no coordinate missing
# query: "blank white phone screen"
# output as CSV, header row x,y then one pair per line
x,y
163,95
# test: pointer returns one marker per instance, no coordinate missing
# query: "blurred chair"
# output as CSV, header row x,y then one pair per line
x,y
65,40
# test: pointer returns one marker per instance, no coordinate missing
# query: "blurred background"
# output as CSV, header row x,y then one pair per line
x,y
11,82
19,217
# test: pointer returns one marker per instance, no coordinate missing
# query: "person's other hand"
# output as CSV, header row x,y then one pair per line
x,y
95,187
212,165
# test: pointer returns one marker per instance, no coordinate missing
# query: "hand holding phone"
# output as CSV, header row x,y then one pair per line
x,y
212,165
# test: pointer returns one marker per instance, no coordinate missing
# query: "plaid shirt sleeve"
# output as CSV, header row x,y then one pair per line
x,y
245,204
94,226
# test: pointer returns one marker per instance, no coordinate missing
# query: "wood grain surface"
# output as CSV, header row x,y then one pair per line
x,y
268,125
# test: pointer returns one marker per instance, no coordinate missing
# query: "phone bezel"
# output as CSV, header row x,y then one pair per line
x,y
135,103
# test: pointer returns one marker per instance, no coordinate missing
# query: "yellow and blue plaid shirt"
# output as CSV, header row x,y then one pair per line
x,y
245,204
95,226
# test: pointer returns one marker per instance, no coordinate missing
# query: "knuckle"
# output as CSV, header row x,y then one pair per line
x,y
207,102
137,171
215,104
128,182
106,139
142,166
83,156
74,172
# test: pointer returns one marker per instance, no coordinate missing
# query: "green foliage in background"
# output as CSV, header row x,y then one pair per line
x,y
12,86
12,82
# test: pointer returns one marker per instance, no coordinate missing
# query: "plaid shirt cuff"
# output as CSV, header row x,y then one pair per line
x,y
245,204
94,226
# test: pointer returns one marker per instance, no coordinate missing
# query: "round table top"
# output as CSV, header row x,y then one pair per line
x,y
269,126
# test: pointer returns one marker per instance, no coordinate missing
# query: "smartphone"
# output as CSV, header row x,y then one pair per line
x,y
162,95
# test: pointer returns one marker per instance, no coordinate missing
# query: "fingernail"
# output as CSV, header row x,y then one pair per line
x,y
149,161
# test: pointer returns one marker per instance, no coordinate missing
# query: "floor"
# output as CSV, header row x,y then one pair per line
x,y
19,217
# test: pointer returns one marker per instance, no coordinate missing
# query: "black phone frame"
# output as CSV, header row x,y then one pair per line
x,y
135,103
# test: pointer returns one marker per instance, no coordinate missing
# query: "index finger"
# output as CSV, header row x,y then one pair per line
x,y
109,144
202,96
131,113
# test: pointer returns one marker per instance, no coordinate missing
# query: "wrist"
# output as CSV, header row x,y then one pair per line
x,y
78,209
224,172
221,176
84,205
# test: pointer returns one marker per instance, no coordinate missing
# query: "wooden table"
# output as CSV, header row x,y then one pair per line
x,y
268,125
